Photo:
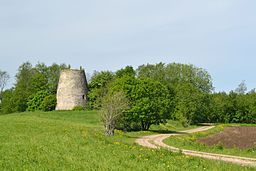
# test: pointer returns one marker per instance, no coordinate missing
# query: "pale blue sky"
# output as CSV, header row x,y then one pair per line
x,y
218,35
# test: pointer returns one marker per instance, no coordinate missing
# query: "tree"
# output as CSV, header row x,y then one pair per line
x,y
39,82
8,103
218,105
251,116
113,106
35,101
30,82
127,71
98,88
53,75
252,91
153,71
150,102
49,103
190,84
241,89
100,79
174,73
23,88
187,103
4,77
47,77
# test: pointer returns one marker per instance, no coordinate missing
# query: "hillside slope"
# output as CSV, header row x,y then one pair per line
x,y
75,141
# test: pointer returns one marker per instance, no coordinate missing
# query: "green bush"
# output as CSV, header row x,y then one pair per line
x,y
150,102
35,101
78,108
49,103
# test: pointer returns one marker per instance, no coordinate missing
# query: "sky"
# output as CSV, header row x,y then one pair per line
x,y
217,35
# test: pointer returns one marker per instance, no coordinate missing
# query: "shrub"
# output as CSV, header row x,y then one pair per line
x,y
78,108
49,103
35,101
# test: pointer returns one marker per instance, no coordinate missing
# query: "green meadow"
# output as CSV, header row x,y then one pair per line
x,y
75,140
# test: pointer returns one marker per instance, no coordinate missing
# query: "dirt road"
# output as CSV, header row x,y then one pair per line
x,y
156,141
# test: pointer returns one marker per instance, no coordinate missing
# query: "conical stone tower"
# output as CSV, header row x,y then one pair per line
x,y
72,89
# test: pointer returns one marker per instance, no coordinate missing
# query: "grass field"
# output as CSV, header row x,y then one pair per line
x,y
76,141
188,141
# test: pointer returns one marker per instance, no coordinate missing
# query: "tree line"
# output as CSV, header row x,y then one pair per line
x,y
153,93
35,89
157,92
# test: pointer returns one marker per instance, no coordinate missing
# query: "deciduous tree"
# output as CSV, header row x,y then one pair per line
x,y
150,102
113,106
4,77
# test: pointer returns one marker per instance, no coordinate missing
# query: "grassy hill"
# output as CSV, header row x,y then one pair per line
x,y
76,141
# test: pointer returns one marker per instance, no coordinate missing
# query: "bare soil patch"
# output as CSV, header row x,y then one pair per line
x,y
156,141
242,137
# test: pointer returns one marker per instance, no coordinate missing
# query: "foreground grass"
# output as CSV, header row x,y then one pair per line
x,y
75,141
188,141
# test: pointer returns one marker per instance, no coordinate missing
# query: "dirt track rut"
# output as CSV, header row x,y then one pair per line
x,y
156,141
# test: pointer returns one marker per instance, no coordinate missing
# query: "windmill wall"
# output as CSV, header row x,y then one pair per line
x,y
72,89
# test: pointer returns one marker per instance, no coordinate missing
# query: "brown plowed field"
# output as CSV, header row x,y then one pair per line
x,y
242,137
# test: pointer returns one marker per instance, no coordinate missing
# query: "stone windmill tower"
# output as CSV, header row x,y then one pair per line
x,y
72,89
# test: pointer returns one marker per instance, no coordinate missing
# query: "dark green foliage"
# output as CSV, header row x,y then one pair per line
x,y
95,97
53,75
174,73
100,79
98,85
233,108
191,105
98,88
127,71
35,101
39,82
23,88
190,84
30,83
7,104
47,77
190,89
49,103
186,103
150,102
185,88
